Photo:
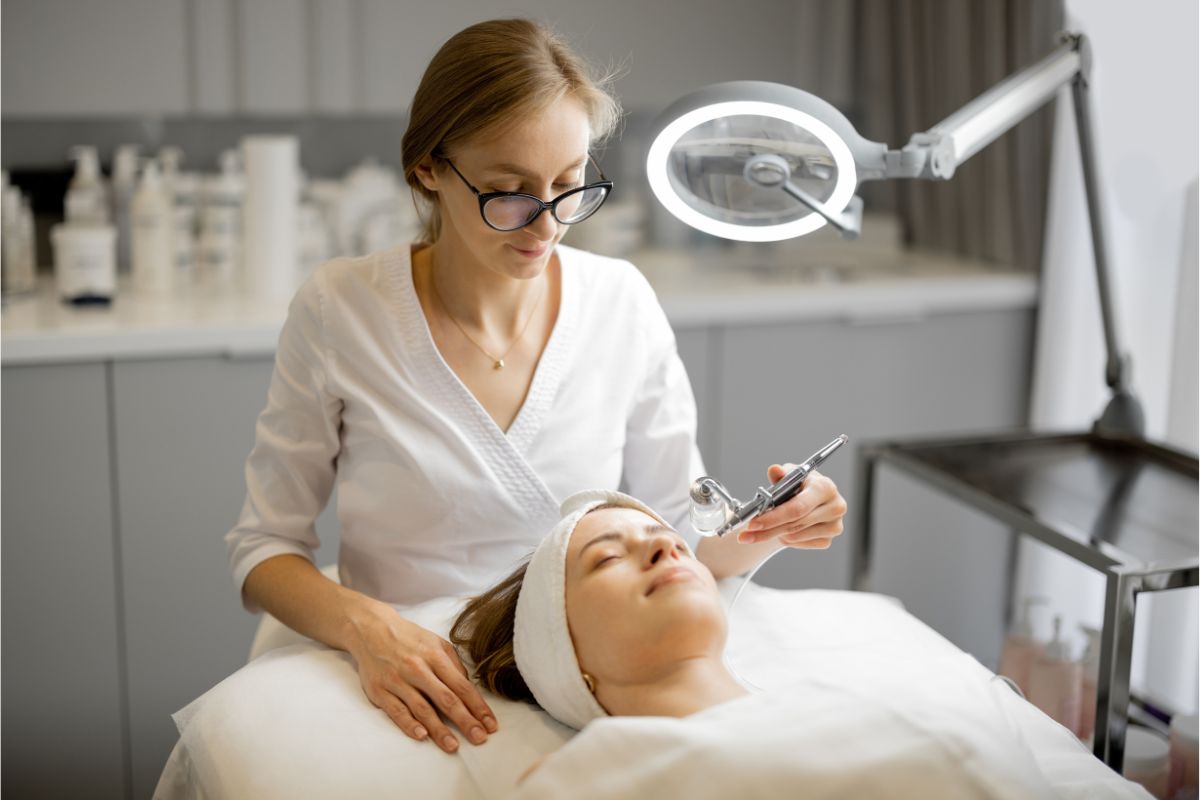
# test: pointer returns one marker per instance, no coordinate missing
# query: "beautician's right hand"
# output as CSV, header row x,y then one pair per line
x,y
407,671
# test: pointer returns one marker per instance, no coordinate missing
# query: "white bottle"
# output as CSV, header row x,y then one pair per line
x,y
152,225
18,273
1089,666
28,245
1055,681
124,184
1021,649
87,197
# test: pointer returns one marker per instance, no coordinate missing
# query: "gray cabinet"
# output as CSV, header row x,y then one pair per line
x,y
785,390
63,689
81,57
183,429
287,57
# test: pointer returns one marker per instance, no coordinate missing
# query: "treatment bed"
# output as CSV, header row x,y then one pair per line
x,y
294,722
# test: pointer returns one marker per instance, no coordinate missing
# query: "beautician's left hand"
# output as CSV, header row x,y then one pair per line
x,y
809,520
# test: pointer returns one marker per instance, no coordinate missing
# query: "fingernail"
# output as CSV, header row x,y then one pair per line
x,y
490,724
477,735
421,733
450,742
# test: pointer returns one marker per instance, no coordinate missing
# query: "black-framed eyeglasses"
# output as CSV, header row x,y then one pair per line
x,y
510,211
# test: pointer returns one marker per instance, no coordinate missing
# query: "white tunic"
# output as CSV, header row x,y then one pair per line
x,y
434,499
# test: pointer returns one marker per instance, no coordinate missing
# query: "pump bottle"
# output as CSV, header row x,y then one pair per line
x,y
87,197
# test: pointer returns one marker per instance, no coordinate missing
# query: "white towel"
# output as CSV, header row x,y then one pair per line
x,y
541,639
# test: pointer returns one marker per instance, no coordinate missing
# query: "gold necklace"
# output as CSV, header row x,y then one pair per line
x,y
498,363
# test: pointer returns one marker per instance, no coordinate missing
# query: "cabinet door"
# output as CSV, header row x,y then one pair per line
x,y
275,56
80,57
183,430
337,62
788,389
62,695
214,57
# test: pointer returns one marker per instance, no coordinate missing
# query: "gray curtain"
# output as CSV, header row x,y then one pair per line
x,y
917,62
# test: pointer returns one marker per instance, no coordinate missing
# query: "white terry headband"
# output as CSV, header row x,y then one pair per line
x,y
541,639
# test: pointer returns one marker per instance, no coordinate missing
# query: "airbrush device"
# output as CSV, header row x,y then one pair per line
x,y
715,512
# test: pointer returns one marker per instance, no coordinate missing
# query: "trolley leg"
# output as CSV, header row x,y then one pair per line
x,y
1116,658
860,566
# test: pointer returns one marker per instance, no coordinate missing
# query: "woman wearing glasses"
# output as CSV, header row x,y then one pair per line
x,y
455,390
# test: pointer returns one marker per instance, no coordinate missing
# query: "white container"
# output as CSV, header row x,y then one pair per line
x,y
85,262
152,226
1183,782
1021,650
87,197
270,215
1055,683
1146,760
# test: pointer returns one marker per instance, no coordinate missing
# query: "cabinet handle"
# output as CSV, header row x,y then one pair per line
x,y
889,317
249,353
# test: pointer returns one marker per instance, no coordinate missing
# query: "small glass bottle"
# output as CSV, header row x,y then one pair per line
x,y
1090,669
1183,782
1055,682
1021,650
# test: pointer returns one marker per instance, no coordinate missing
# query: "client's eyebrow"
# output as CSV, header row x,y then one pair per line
x,y
609,536
516,169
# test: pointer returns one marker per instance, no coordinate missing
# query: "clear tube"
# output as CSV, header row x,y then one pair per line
x,y
733,604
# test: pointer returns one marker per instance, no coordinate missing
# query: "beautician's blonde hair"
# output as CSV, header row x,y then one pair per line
x,y
485,78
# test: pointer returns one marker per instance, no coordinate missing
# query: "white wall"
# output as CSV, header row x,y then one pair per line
x,y
1144,91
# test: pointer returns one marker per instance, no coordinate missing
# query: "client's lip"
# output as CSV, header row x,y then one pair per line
x,y
670,575
534,253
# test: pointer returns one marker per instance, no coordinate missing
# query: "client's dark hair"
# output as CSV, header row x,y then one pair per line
x,y
484,630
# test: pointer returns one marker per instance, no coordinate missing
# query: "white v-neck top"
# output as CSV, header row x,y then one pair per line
x,y
434,499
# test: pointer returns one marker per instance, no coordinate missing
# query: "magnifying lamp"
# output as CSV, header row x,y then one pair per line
x,y
762,162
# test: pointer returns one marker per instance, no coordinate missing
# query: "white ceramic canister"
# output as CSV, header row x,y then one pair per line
x,y
1146,760
85,262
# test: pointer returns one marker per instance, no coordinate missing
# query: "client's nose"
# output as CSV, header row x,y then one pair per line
x,y
658,546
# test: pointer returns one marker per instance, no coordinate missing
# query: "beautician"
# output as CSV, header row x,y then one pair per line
x,y
455,390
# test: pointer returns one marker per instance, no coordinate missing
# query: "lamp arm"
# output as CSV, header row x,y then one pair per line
x,y
983,120
936,153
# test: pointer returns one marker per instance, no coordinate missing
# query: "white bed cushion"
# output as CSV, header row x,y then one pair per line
x,y
295,722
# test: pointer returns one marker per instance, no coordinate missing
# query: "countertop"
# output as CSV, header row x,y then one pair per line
x,y
711,286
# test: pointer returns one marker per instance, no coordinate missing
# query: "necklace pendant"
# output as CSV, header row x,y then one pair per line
x,y
499,364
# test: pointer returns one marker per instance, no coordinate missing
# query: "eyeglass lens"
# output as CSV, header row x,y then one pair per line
x,y
510,213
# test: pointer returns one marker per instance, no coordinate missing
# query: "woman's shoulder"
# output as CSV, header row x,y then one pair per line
x,y
599,274
355,283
